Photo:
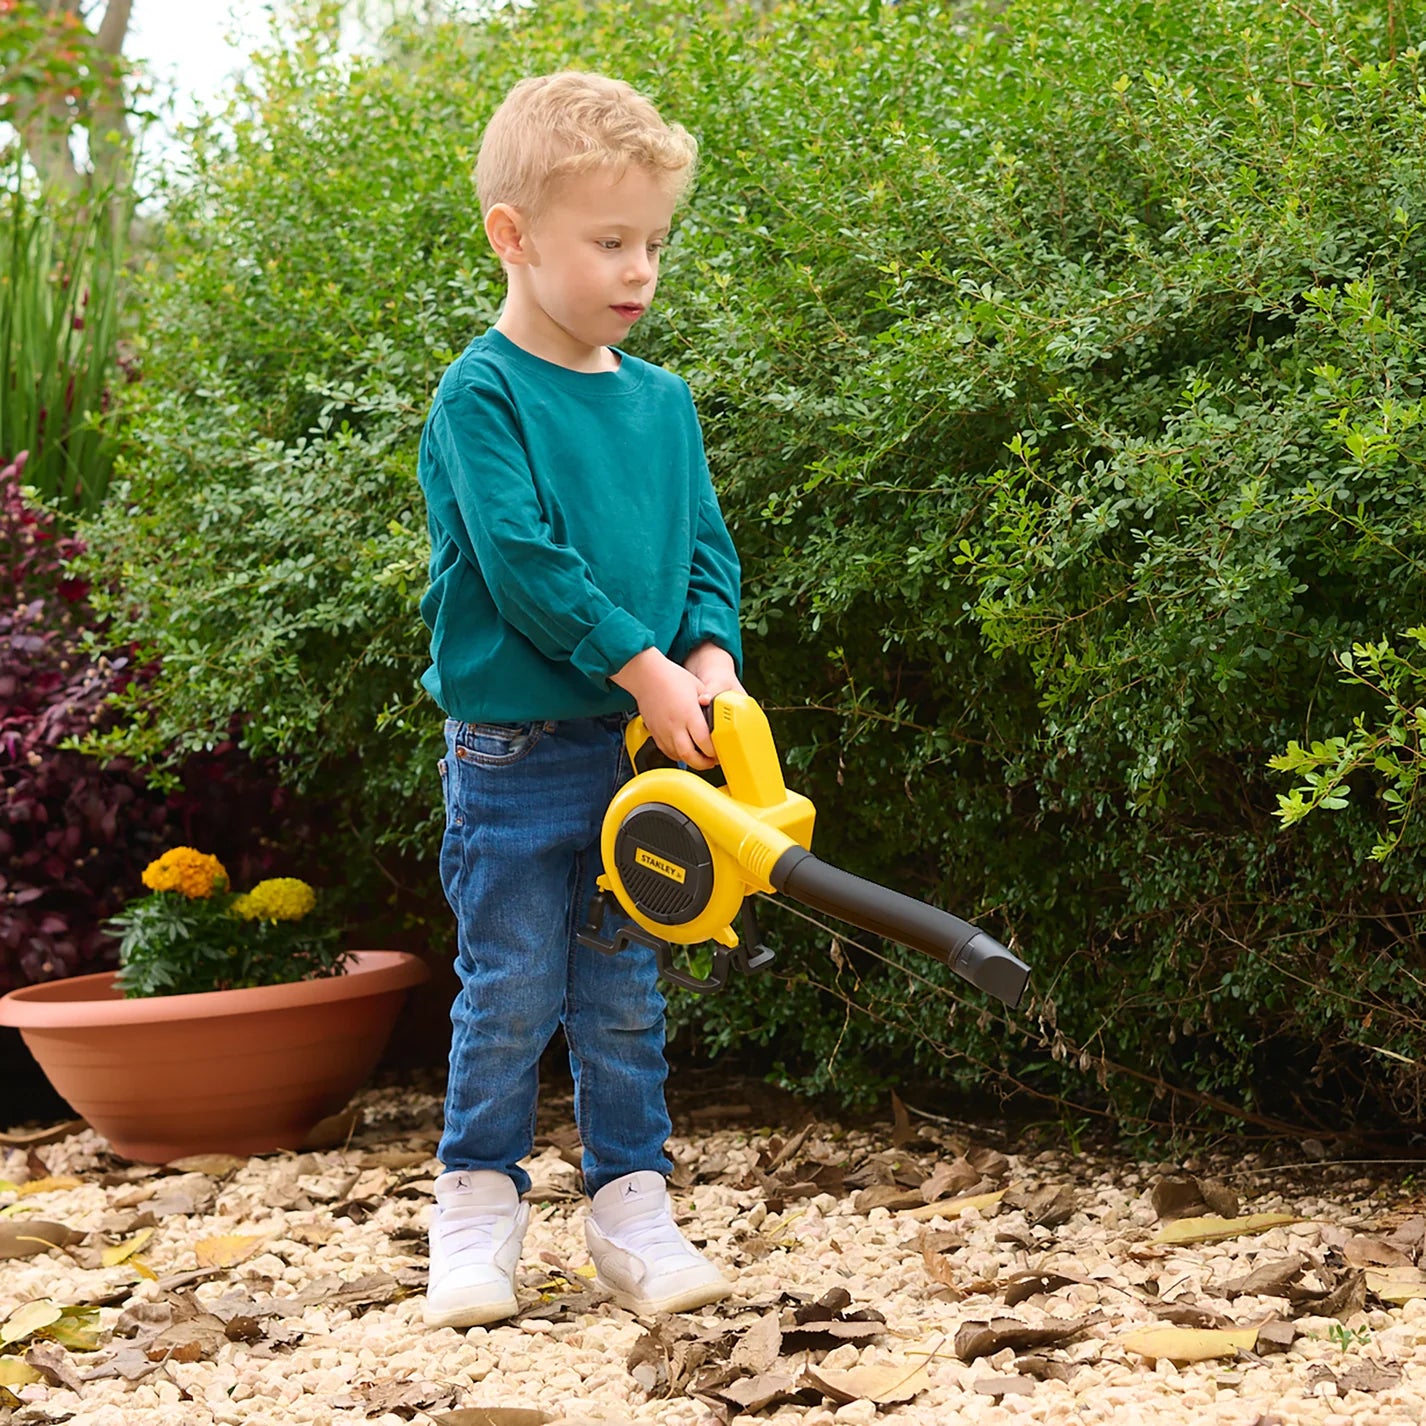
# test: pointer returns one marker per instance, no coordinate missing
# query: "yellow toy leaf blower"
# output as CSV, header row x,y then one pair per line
x,y
682,857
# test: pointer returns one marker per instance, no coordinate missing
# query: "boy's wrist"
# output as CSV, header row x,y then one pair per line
x,y
635,674
705,648
709,655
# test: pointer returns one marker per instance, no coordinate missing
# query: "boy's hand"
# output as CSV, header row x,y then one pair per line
x,y
714,668
670,700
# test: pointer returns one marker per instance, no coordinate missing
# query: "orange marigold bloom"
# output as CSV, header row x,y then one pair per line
x,y
195,875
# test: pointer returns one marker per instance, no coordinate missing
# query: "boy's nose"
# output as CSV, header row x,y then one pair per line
x,y
640,269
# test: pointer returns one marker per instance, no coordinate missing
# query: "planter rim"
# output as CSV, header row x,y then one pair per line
x,y
91,1000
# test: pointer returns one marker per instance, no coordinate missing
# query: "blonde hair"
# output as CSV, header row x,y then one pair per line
x,y
554,125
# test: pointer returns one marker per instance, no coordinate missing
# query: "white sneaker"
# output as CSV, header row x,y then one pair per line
x,y
639,1254
477,1226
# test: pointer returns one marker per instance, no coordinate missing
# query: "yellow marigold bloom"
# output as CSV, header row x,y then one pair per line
x,y
195,875
281,898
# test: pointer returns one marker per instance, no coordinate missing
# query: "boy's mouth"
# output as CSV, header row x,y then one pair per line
x,y
629,311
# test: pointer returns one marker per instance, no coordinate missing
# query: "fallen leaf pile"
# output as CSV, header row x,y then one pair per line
x,y
922,1274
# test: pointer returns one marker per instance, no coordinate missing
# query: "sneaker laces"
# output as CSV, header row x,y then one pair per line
x,y
469,1230
654,1236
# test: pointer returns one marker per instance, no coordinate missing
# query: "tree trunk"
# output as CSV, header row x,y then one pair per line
x,y
45,125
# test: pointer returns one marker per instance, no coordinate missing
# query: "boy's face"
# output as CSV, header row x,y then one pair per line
x,y
588,266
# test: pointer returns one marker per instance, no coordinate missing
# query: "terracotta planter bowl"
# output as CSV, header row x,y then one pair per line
x,y
229,1071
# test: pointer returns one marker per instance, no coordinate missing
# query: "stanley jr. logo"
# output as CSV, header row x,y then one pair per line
x,y
672,870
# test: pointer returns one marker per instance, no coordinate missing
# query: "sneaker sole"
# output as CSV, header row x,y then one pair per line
x,y
476,1315
684,1301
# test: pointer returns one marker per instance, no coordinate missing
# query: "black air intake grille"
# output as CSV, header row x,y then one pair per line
x,y
664,863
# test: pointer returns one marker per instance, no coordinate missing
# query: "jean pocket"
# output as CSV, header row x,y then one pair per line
x,y
496,744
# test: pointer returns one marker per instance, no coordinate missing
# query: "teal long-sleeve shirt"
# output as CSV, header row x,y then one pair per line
x,y
573,525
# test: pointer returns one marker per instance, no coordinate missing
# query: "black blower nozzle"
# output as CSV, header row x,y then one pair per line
x,y
966,949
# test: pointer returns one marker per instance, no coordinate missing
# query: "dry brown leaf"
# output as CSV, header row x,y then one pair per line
x,y
35,1138
333,1132
953,1207
891,1196
1188,1314
314,1235
1189,1344
785,1151
831,1304
334,1292
884,1384
186,1196
1212,1229
128,1362
1369,1376
1022,1285
1349,1296
758,1348
406,1399
1364,1252
955,1176
1047,1207
228,1249
195,1339
901,1131
938,1267
1410,1237
214,1165
755,1393
1183,1196
1046,1368
1266,1280
25,1238
981,1339
52,1362
1396,1284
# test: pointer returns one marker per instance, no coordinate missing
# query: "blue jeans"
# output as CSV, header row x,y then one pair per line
x,y
524,806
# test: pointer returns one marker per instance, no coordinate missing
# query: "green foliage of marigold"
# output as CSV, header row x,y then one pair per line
x,y
206,938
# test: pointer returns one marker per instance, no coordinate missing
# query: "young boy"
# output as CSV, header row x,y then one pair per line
x,y
579,568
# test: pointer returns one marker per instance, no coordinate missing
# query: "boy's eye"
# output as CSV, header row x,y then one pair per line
x,y
610,244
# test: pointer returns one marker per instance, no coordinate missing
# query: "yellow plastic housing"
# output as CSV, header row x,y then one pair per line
x,y
748,824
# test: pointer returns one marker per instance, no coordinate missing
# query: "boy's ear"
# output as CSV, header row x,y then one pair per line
x,y
509,234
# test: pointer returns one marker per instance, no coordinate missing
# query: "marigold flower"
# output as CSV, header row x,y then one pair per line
x,y
195,875
280,898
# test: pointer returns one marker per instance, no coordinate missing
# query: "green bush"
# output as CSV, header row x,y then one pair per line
x,y
1060,374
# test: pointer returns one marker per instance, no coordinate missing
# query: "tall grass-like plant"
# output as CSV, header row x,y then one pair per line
x,y
60,273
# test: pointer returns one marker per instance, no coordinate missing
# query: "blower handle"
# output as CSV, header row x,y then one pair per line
x,y
968,951
650,755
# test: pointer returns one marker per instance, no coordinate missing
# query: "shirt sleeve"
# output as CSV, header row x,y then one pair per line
x,y
541,588
710,612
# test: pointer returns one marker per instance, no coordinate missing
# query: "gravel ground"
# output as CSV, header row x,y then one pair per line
x,y
929,1272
